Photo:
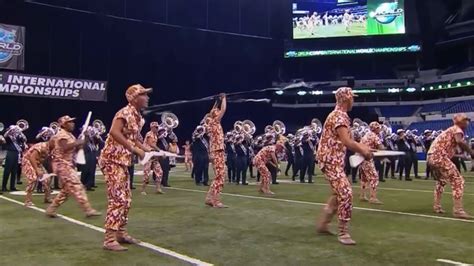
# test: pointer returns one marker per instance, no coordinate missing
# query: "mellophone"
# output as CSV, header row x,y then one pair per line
x,y
356,159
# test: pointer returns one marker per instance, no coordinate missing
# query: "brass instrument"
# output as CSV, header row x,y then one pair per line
x,y
2,126
248,127
199,132
55,127
317,125
279,126
238,126
269,129
169,120
99,127
22,124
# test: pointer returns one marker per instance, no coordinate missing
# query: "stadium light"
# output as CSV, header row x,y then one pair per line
x,y
449,85
431,88
301,93
279,92
423,89
468,83
440,86
459,84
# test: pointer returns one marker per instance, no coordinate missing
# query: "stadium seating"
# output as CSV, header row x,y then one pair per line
x,y
437,107
437,125
461,107
398,111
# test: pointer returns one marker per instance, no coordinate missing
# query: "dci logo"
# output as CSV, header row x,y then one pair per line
x,y
8,46
386,13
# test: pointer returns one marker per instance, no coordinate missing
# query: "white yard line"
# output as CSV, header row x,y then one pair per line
x,y
149,246
453,262
323,204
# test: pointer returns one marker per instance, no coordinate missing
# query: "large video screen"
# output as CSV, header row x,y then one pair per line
x,y
345,18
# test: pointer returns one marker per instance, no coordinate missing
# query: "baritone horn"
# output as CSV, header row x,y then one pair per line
x,y
169,120
22,124
279,127
248,127
54,126
238,126
99,126
316,125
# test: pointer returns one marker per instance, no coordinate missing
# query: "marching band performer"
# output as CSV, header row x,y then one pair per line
x,y
368,173
13,148
289,146
267,156
335,139
33,169
241,160
298,157
404,161
63,147
164,161
427,141
188,156
216,135
23,146
45,135
308,158
439,158
153,165
91,152
200,156
122,142
231,157
257,146
390,162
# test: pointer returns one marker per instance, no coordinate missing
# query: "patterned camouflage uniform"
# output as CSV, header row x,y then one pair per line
x,y
439,159
63,166
368,173
153,165
42,149
216,140
331,157
260,161
114,162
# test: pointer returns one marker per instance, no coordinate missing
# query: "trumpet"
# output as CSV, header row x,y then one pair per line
x,y
22,124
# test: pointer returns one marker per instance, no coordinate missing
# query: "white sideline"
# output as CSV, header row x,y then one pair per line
x,y
355,186
453,262
323,204
152,247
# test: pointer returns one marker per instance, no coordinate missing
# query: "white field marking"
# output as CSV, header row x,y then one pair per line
x,y
152,247
378,188
355,186
453,262
323,204
23,193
